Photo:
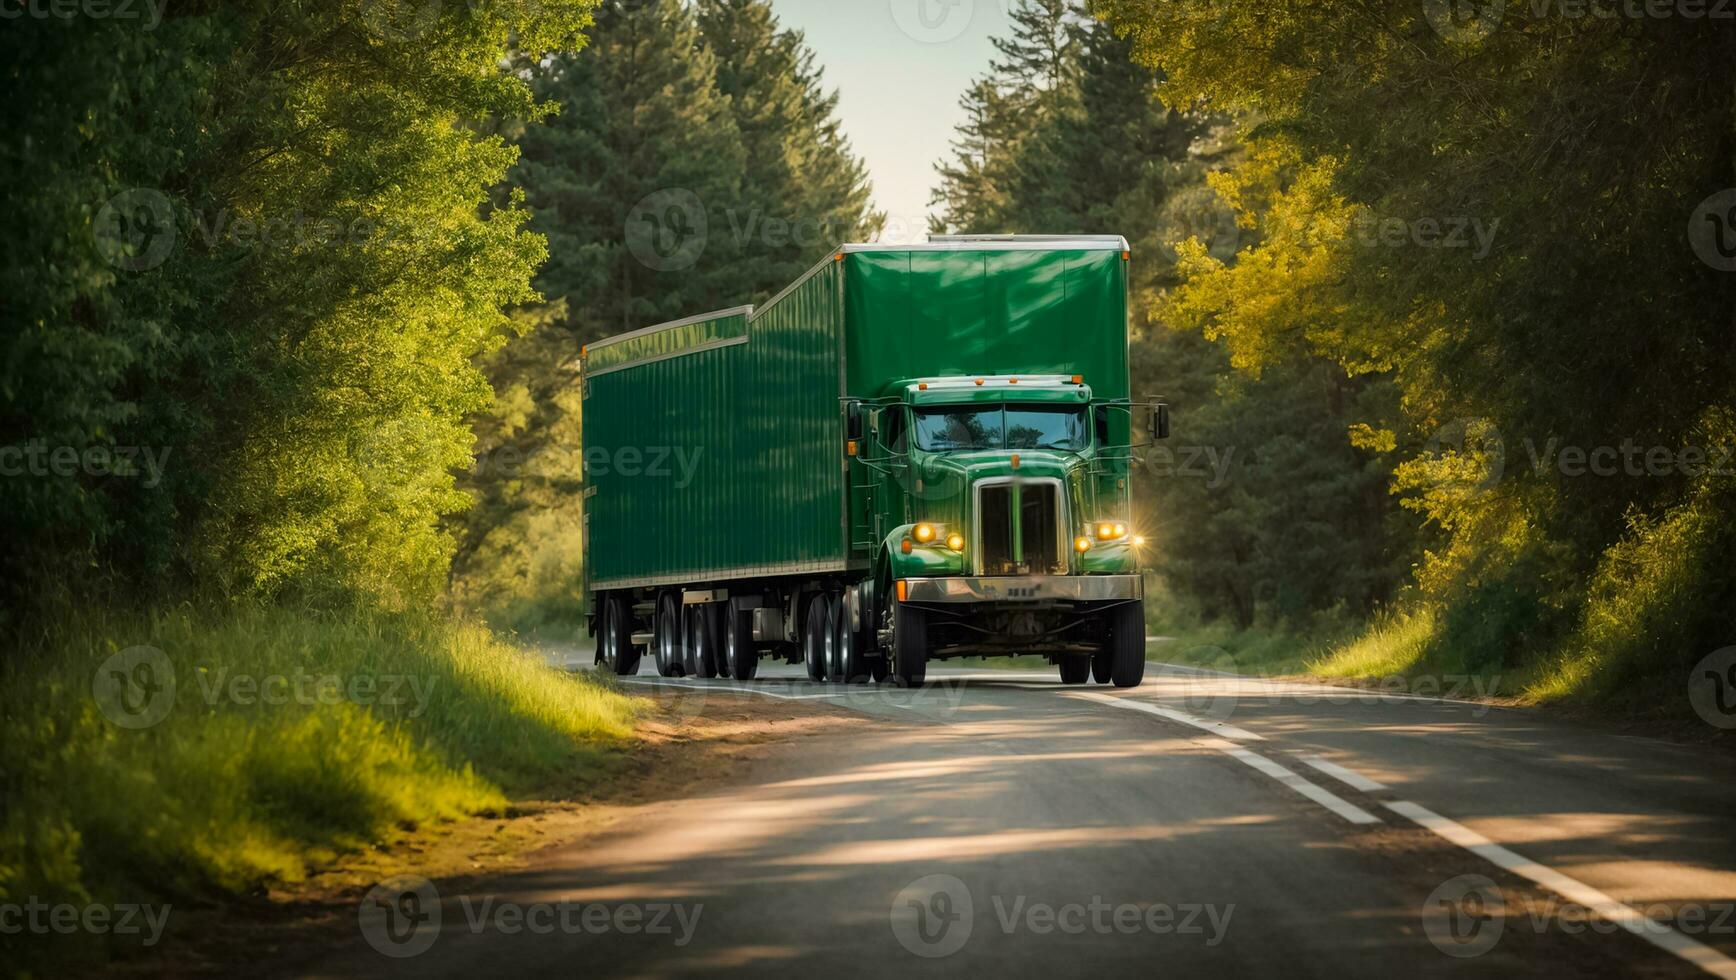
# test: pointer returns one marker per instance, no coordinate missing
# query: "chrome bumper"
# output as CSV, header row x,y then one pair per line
x,y
1027,588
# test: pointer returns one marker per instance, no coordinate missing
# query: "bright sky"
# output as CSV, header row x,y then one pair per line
x,y
900,67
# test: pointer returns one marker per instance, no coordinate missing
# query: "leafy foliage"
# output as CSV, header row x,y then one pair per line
x,y
256,242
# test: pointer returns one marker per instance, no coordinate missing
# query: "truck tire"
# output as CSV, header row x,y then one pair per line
x,y
910,640
619,656
1103,661
701,642
850,645
666,637
739,655
1127,644
1075,668
814,637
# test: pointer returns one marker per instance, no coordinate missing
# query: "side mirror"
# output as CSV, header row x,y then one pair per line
x,y
1159,421
874,420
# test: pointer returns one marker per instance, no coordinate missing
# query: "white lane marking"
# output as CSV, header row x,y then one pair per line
x,y
1326,798
727,689
1182,717
1578,892
1354,780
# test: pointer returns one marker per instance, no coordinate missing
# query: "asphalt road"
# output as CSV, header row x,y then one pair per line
x,y
1002,824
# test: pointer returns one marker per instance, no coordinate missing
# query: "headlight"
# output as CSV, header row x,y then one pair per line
x,y
1082,544
925,533
1111,531
955,541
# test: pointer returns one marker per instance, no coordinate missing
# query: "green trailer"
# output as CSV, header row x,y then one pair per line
x,y
913,453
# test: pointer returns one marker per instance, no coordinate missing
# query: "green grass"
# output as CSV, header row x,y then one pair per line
x,y
229,792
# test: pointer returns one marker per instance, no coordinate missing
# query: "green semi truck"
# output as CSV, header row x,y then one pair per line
x,y
913,453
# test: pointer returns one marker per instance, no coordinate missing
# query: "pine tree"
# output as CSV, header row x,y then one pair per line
x,y
634,181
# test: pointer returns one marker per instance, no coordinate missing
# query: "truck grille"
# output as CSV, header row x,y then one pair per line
x,y
1029,546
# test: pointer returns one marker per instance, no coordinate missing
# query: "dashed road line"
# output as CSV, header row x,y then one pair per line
x,y
1572,889
1319,794
1203,724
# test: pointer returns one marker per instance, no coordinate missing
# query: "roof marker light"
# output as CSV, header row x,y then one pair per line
x,y
1078,379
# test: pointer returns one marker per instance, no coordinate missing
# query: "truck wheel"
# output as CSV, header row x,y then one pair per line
x,y
739,655
1075,668
1127,644
852,663
910,642
701,643
620,656
1103,663
814,638
666,637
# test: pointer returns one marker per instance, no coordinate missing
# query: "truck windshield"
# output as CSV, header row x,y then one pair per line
x,y
944,430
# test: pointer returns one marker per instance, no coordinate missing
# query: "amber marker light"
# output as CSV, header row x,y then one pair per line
x,y
1082,544
1127,256
1015,461
979,382
1078,379
906,547
851,447
903,591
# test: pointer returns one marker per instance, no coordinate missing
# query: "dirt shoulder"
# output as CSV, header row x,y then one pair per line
x,y
682,749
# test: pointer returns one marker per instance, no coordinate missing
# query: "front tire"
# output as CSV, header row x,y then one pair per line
x,y
910,642
1127,644
619,656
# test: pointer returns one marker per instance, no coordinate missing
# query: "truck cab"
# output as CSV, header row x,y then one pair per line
x,y
1005,517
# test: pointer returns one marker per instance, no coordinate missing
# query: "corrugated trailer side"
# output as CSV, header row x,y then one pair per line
x,y
742,407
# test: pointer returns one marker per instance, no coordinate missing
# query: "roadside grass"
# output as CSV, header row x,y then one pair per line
x,y
377,726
